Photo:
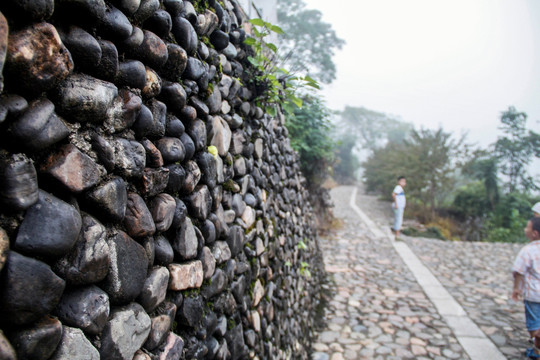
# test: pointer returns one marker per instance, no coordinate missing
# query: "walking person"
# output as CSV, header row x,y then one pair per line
x,y
398,195
526,272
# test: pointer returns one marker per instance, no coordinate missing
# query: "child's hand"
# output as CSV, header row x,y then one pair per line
x,y
516,295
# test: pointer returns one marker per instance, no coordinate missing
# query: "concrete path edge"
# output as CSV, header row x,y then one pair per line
x,y
474,341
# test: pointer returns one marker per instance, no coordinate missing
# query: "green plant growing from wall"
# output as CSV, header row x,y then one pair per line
x,y
273,85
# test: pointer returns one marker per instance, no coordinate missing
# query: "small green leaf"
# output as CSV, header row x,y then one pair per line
x,y
296,101
276,29
257,22
250,41
272,47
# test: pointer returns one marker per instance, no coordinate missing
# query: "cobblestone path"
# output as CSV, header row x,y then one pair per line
x,y
376,308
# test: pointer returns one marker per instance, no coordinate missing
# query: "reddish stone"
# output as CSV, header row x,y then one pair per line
x,y
75,170
153,51
36,59
185,276
4,247
152,87
153,155
154,181
4,30
138,219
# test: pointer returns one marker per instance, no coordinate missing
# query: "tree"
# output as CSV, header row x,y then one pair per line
x,y
308,44
346,163
429,159
516,149
373,128
309,129
484,167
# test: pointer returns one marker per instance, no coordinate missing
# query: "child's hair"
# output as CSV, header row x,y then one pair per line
x,y
535,221
400,177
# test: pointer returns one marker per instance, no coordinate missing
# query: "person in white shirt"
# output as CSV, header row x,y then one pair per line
x,y
398,195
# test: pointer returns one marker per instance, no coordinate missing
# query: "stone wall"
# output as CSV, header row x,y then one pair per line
x,y
149,209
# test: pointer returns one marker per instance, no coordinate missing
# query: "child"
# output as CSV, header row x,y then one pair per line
x,y
399,203
536,209
526,271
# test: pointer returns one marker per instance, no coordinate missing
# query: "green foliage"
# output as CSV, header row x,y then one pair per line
x,y
471,200
273,85
428,160
308,44
304,269
516,149
346,163
431,232
309,129
511,231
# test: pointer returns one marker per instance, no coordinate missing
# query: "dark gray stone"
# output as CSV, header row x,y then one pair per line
x,y
154,289
151,126
109,199
159,23
236,239
208,229
88,260
128,7
145,10
152,51
50,228
34,9
115,25
133,41
38,127
84,48
218,283
208,262
185,242
174,7
235,341
191,311
125,333
195,69
130,158
86,308
238,205
124,116
30,289
193,175
163,207
238,288
164,253
18,182
189,146
177,177
207,163
200,107
175,127
39,340
197,132
172,149
176,63
131,73
174,95
219,39
199,202
108,65
74,346
138,220
185,34
127,270
83,98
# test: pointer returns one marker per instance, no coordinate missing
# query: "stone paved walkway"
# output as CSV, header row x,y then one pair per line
x,y
377,310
